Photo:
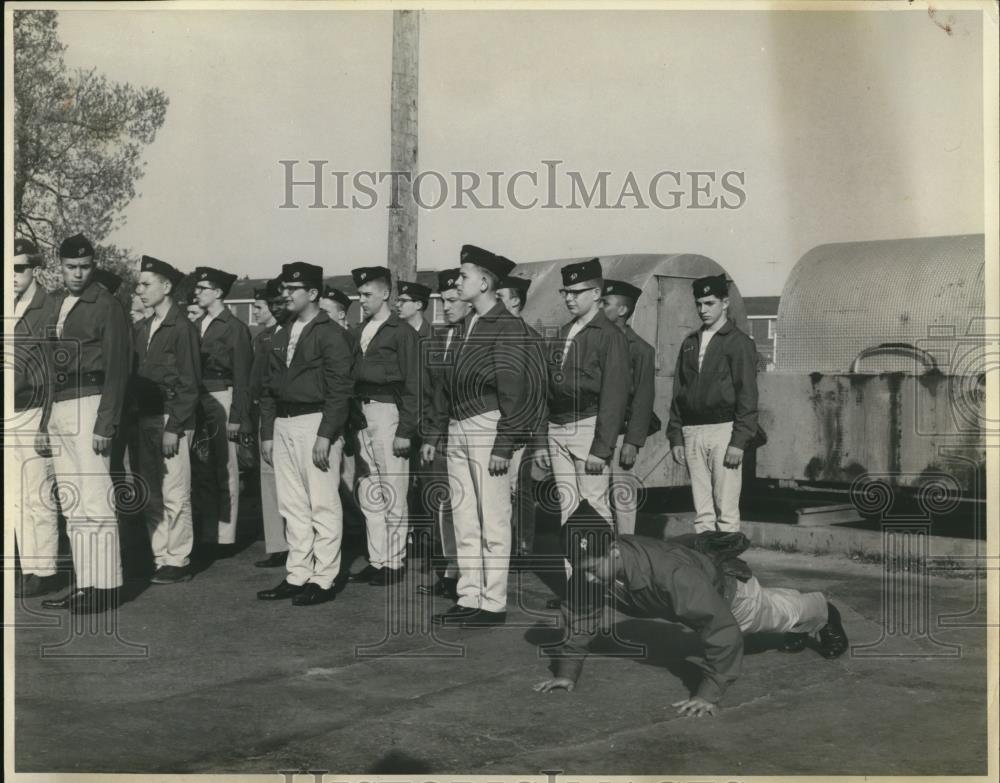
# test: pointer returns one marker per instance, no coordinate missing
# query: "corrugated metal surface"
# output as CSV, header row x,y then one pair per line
x,y
841,301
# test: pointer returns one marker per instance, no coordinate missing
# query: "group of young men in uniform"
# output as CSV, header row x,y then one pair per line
x,y
378,408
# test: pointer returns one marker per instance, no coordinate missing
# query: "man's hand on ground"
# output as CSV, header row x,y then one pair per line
x,y
695,707
553,684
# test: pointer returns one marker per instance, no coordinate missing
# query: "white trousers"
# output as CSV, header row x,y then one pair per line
x,y
274,525
36,528
625,490
569,447
382,491
86,494
716,488
166,485
219,494
440,499
776,609
309,500
480,508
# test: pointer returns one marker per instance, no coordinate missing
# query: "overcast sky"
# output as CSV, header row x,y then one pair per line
x,y
845,126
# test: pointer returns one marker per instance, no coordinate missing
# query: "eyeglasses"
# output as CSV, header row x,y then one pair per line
x,y
568,294
404,300
201,287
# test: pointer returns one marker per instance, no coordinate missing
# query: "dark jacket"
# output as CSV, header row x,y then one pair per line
x,y
261,347
725,389
167,371
668,580
93,354
226,358
33,355
590,381
440,361
642,357
320,373
425,391
389,371
492,373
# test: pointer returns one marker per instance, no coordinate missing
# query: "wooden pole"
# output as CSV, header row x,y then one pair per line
x,y
402,249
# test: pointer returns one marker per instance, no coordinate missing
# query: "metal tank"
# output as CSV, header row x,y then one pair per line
x,y
880,367
664,315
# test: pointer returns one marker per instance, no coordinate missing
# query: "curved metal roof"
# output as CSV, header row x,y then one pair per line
x,y
887,306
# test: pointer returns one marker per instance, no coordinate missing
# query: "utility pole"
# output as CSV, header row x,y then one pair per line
x,y
402,250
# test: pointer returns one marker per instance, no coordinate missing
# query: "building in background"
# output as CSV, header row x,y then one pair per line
x,y
762,313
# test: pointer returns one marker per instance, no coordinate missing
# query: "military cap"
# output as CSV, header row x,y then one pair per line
x,y
519,284
619,288
713,285
582,272
337,296
108,279
218,278
271,290
309,275
26,253
420,293
498,265
365,274
77,246
155,265
448,279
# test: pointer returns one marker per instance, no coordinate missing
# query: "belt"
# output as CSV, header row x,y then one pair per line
x,y
79,380
287,410
216,375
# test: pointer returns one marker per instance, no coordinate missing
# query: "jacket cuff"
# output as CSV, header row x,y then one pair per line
x,y
327,430
173,425
740,440
600,450
503,450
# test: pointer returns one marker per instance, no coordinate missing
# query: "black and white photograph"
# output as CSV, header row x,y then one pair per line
x,y
446,393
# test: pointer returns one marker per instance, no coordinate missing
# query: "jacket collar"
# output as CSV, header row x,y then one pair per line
x,y
497,311
726,328
90,293
635,576
37,298
392,320
599,321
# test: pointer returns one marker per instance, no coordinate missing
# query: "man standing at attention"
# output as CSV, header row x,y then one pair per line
x,y
36,529
713,413
91,367
226,357
387,387
618,305
588,368
165,388
303,412
335,303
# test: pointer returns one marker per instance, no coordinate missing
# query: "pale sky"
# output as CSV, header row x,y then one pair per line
x,y
847,126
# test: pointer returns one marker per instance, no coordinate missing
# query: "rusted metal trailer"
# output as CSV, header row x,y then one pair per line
x,y
880,368
665,314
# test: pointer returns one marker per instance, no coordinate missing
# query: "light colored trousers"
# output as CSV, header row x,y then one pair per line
x,y
625,489
381,493
274,525
716,488
219,494
442,512
166,485
86,493
309,500
480,508
776,609
569,447
36,528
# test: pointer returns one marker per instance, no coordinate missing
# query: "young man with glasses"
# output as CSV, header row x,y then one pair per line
x,y
586,394
226,358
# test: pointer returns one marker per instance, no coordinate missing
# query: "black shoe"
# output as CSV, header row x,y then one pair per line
x,y
86,600
67,600
171,575
794,642
444,587
32,585
832,636
484,619
313,594
273,560
283,590
454,616
366,574
387,576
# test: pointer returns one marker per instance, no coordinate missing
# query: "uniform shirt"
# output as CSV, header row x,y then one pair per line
x,y
261,347
24,300
663,579
226,358
68,303
32,351
639,416
293,337
205,321
369,331
707,333
154,324
574,330
389,370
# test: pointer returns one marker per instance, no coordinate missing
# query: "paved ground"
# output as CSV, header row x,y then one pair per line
x,y
201,677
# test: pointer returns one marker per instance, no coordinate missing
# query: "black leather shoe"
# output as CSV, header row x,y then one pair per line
x,y
832,636
273,560
365,574
483,619
444,587
283,590
313,594
67,600
454,616
794,642
95,601
387,576
32,585
171,575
